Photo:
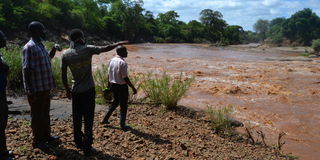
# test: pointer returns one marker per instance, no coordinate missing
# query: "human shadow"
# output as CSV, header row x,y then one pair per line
x,y
62,153
187,112
150,137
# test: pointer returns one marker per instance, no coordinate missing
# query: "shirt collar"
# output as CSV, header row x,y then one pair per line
x,y
119,57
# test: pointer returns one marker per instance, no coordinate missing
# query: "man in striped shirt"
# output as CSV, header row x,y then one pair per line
x,y
38,82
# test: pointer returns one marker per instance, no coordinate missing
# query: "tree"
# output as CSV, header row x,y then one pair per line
x,y
275,31
261,27
233,34
302,27
214,24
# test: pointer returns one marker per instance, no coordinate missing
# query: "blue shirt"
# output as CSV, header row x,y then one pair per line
x,y
3,77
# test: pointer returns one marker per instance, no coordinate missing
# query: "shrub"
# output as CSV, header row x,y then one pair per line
x,y
165,90
219,119
12,57
316,45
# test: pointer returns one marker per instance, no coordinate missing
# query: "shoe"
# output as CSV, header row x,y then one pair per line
x,y
52,138
7,155
126,128
105,122
41,145
89,151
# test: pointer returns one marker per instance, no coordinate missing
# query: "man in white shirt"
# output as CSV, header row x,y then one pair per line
x,y
118,83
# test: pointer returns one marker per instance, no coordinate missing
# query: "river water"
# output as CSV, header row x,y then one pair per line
x,y
272,96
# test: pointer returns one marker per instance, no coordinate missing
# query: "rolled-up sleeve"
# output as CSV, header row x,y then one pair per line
x,y
123,70
94,49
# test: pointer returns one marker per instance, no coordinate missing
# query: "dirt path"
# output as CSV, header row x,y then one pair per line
x,y
272,90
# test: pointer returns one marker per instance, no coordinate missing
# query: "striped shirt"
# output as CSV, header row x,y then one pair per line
x,y
36,59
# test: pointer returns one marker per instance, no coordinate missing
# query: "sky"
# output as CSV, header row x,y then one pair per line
x,y
236,12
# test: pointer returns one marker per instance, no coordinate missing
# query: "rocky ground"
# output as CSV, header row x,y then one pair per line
x,y
156,134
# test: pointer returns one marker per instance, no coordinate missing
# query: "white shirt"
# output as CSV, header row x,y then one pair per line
x,y
118,70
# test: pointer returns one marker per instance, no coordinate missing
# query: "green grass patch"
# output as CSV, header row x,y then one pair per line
x,y
219,119
12,57
165,90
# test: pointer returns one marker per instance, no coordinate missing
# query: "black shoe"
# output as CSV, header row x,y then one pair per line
x,y
126,128
89,151
7,155
52,138
105,122
41,145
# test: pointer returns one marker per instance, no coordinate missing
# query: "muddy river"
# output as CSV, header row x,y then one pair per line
x,y
270,90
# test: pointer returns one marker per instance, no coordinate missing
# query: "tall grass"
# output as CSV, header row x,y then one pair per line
x,y
166,90
220,119
12,57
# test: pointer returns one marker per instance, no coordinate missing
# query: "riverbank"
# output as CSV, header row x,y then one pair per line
x,y
156,134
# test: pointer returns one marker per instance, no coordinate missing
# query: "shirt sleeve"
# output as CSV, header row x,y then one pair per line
x,y
123,70
26,56
94,49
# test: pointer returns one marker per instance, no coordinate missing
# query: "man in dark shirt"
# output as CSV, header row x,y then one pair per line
x,y
4,153
79,59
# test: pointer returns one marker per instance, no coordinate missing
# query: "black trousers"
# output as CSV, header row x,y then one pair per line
x,y
120,96
83,106
3,122
40,116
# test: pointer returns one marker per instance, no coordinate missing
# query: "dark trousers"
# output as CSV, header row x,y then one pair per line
x,y
83,105
3,122
120,96
40,116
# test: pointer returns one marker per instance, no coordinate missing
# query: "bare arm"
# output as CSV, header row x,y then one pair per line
x,y
64,76
130,85
56,47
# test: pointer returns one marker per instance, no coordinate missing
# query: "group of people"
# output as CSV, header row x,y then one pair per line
x,y
38,82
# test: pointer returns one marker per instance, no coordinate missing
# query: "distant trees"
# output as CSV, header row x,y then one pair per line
x,y
300,29
127,19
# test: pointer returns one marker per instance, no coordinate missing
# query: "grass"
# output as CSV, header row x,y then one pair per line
x,y
12,57
165,90
219,119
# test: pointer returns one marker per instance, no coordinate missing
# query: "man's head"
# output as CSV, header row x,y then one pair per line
x,y
122,51
37,30
3,39
77,36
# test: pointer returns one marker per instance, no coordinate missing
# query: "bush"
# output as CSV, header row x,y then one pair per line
x,y
12,57
219,119
165,90
316,45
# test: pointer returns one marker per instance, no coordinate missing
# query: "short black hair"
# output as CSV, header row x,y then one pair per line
x,y
121,50
35,26
75,34
2,36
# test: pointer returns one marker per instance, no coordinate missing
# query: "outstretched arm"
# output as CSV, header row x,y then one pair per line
x,y
112,46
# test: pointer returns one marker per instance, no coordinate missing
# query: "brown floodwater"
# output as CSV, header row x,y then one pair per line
x,y
272,96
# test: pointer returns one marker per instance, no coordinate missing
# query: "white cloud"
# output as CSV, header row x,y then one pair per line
x,y
236,12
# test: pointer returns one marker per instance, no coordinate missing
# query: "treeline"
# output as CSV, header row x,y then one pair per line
x,y
120,19
302,28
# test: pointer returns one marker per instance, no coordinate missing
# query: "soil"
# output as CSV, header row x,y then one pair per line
x,y
155,134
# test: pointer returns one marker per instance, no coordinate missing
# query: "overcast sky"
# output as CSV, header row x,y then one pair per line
x,y
236,12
